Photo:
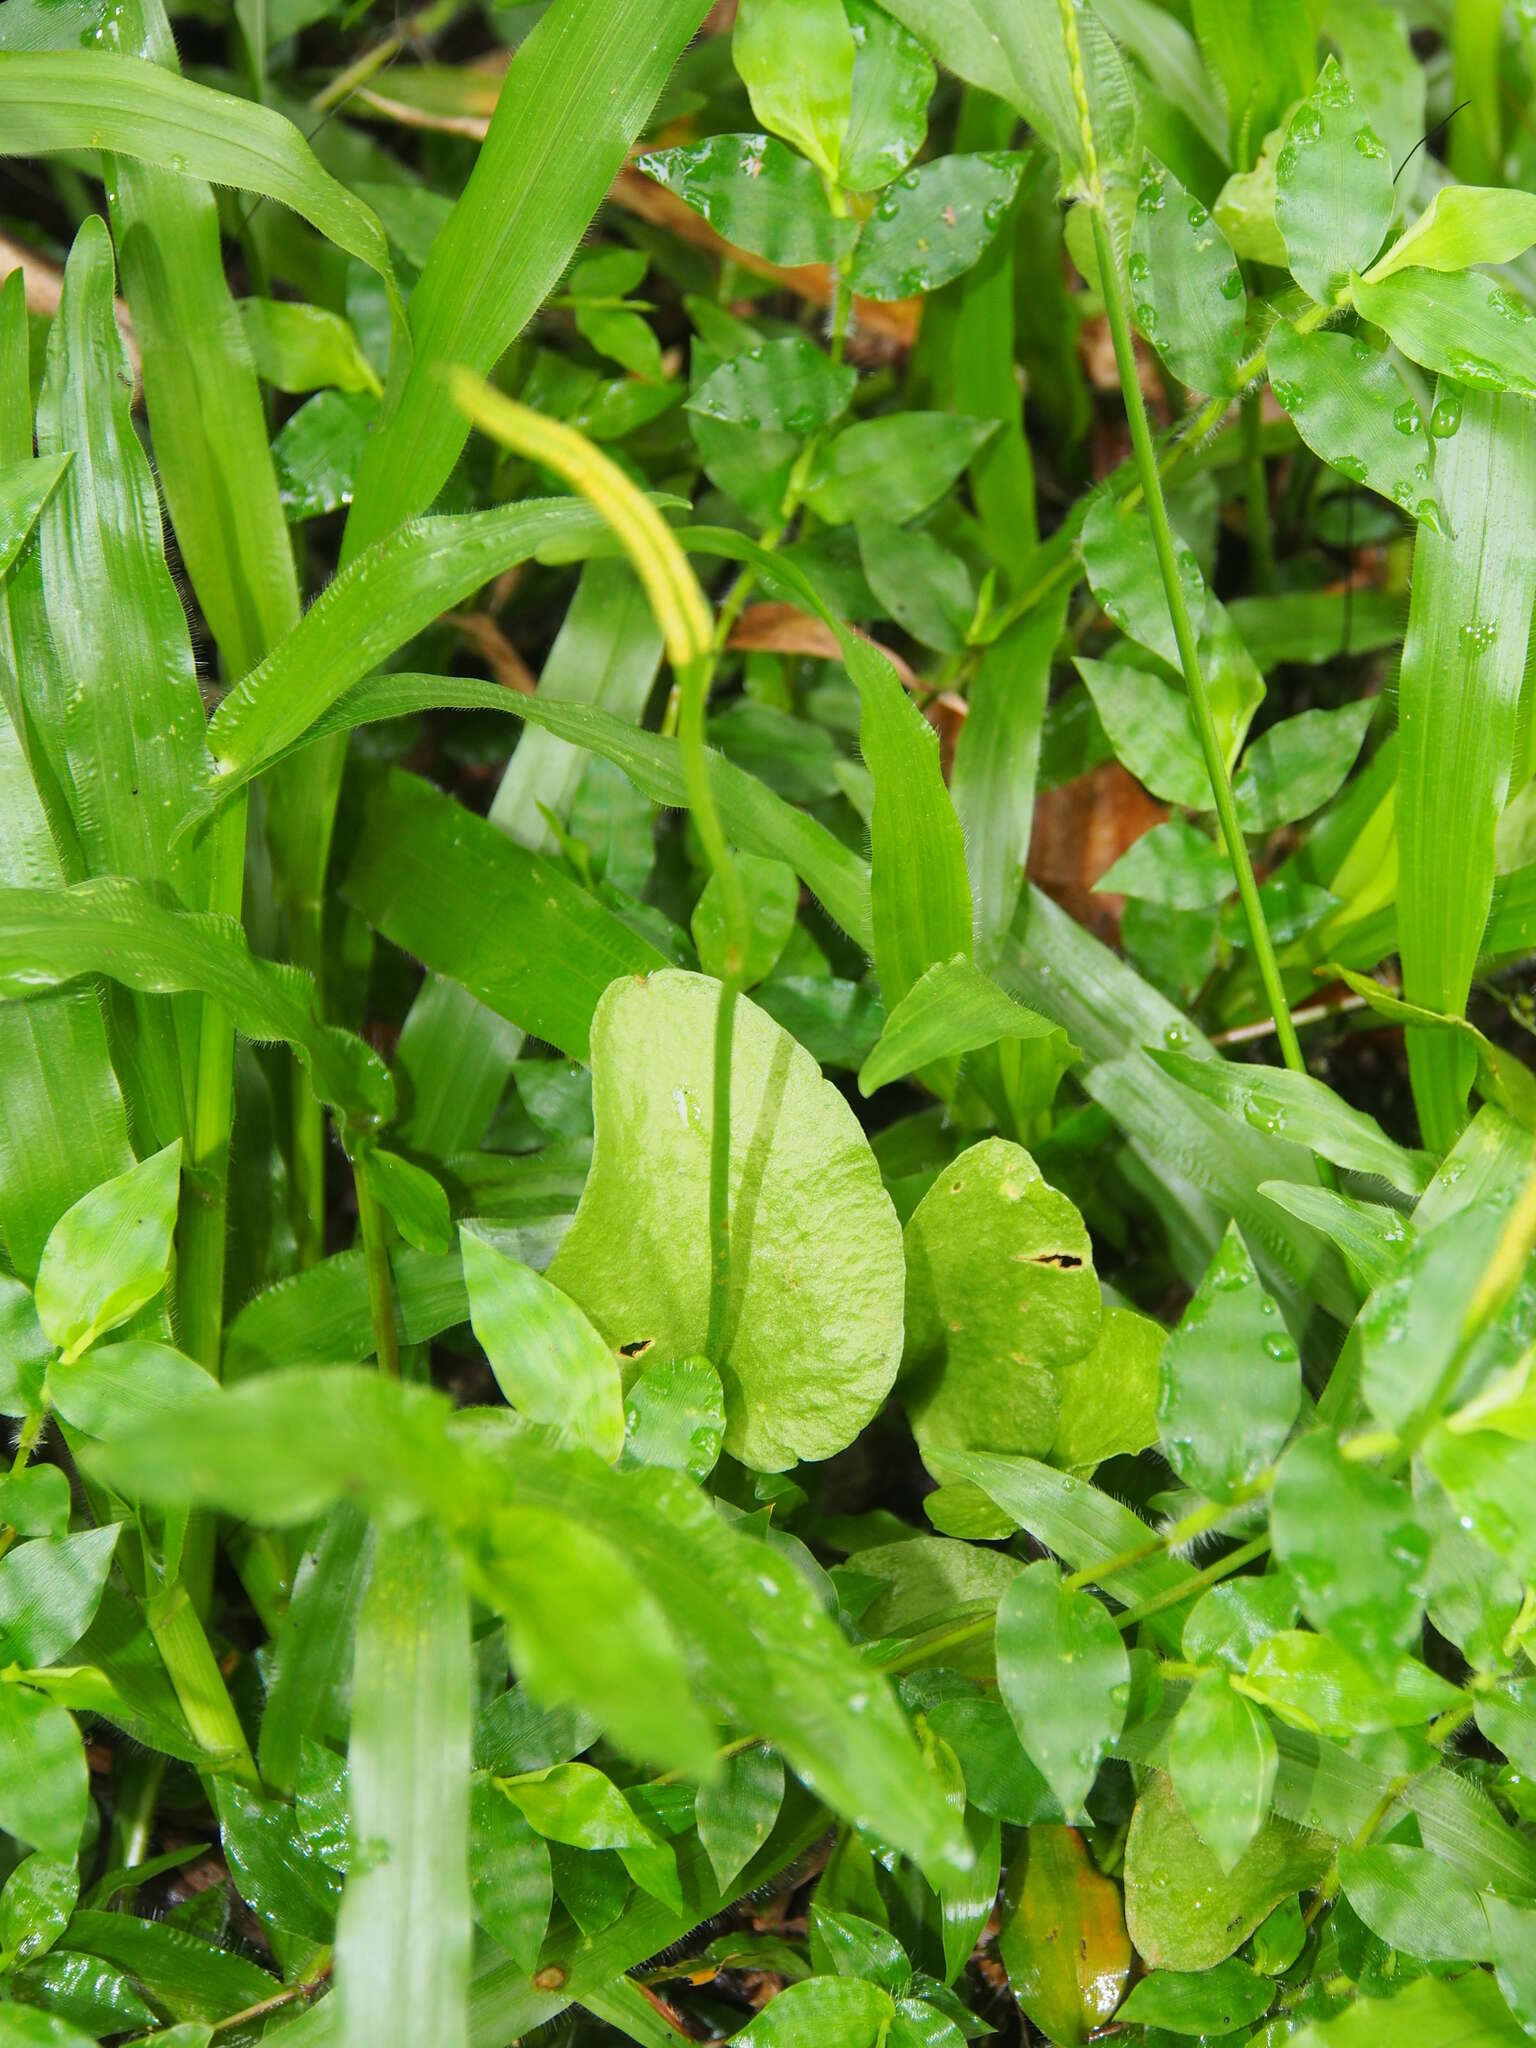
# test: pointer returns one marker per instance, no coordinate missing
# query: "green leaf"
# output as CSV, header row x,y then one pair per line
x,y
109,1254
1183,1910
1370,1236
1333,187
737,1811
1348,1537
756,193
578,1805
785,386
1315,1683
1488,1477
190,1979
49,1590
1001,1298
1064,1677
812,1343
1504,1080
796,60
277,1869
1150,728
834,2012
1465,2009
36,1501
925,588
758,820
920,898
529,199
1173,864
1226,1623
892,468
315,458
403,1936
120,929
1221,2000
893,80
313,1649
92,100
1294,767
298,347
845,1944
1231,1378
1513,1931
1409,1898
773,901
548,1360
674,1415
43,1788
1353,409
1109,1395
35,1906
1274,1099
952,1009
933,224
1463,225
416,1202
1464,324
996,762
509,1874
447,887
386,595
1222,1758
1186,287
1264,57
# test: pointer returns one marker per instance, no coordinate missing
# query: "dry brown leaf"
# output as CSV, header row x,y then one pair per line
x,y
1080,831
782,629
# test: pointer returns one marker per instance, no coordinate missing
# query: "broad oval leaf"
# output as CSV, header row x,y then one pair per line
x,y
1463,323
1063,1938
1333,187
1353,409
756,193
110,1254
814,1329
785,386
893,81
933,224
1186,289
1001,1298
796,60
1349,1539
1222,1757
1411,1900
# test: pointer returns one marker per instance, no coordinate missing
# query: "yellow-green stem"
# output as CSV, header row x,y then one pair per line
x,y
1189,656
381,1278
194,1672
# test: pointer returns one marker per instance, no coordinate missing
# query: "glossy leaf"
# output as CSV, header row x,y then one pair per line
x,y
302,348
110,1254
1464,324
49,1590
893,81
1463,225
933,223
577,1805
812,1345
509,1874
952,1009
1315,1683
1409,1898
773,901
1231,1378
1063,1675
835,2012
1294,767
1221,2000
1151,731
674,1415
42,1773
119,929
1333,187
1187,289
548,1360
892,468
796,60
1063,1938
1348,1538
1222,1759
1353,409
757,193
782,386
736,1813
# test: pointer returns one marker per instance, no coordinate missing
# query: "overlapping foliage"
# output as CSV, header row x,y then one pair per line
x,y
664,1401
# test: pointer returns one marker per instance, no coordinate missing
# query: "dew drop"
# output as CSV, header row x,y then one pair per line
x,y
1406,417
1446,417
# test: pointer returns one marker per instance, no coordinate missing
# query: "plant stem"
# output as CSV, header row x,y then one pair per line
x,y
1199,1523
1261,540
1189,657
346,82
194,1672
1171,1596
381,1278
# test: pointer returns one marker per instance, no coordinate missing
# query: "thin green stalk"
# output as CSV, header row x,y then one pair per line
x,y
199,1683
1173,1596
381,1278
1189,658
346,82
1261,539
1200,1523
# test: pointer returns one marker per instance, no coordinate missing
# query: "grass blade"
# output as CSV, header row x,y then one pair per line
x,y
403,1933
539,178
1463,664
